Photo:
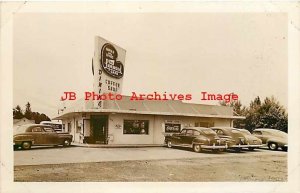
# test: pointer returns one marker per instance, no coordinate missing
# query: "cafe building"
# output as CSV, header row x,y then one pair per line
x,y
132,121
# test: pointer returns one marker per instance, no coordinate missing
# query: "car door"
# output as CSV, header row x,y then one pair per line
x,y
50,136
177,138
188,138
38,135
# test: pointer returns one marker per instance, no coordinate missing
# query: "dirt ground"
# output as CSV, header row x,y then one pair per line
x,y
235,169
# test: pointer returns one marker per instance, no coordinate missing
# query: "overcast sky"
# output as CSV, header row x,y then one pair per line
x,y
173,52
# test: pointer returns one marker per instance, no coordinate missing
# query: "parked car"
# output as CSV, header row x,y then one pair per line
x,y
253,141
240,139
37,134
272,138
197,138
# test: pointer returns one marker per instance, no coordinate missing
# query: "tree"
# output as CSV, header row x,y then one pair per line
x,y
253,114
17,113
273,115
28,112
269,114
36,116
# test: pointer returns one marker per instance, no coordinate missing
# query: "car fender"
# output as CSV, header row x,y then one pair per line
x,y
18,139
279,142
199,140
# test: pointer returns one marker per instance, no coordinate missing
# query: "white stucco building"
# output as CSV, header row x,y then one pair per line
x,y
139,122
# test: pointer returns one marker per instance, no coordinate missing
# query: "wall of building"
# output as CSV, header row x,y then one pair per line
x,y
156,127
74,126
80,126
116,127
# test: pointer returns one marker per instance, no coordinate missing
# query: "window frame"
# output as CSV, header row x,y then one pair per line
x,y
138,122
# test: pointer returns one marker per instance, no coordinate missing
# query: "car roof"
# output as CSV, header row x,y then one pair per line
x,y
268,129
227,128
35,125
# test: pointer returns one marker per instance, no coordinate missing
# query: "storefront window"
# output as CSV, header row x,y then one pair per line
x,y
140,127
204,124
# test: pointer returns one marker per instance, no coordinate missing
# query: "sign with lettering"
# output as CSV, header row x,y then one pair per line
x,y
109,62
107,68
172,128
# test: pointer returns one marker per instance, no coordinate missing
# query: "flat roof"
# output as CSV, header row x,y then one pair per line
x,y
150,107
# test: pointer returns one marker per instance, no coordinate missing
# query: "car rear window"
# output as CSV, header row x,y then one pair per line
x,y
48,129
20,129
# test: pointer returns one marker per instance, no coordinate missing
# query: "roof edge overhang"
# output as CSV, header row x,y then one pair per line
x,y
70,114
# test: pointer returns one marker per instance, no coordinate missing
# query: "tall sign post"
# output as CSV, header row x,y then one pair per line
x,y
108,68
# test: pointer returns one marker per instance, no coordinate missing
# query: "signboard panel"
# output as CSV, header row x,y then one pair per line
x,y
108,68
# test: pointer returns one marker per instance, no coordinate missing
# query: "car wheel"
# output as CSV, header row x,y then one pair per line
x,y
251,148
284,148
197,148
26,145
273,146
67,143
169,144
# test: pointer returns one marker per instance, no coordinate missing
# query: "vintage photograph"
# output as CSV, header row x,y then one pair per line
x,y
150,97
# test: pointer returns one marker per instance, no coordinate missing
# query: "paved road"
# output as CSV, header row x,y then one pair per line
x,y
50,155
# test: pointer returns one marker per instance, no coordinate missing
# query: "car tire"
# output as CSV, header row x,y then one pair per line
x,y
16,147
67,142
169,144
251,148
273,146
26,145
284,148
197,148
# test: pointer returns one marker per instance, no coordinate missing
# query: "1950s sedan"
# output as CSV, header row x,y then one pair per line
x,y
272,138
240,139
37,135
197,138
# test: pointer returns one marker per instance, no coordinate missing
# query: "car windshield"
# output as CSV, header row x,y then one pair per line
x,y
208,131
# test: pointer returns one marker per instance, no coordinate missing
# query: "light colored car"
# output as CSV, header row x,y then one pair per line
x,y
252,140
240,139
273,138
26,136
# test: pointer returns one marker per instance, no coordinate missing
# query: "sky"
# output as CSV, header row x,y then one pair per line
x,y
181,53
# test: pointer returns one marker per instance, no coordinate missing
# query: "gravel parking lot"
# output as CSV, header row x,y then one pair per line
x,y
147,164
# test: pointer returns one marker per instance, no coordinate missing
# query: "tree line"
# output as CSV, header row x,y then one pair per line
x,y
266,114
18,113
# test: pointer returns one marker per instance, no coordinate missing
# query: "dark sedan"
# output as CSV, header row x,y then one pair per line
x,y
197,138
36,135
